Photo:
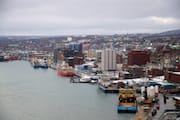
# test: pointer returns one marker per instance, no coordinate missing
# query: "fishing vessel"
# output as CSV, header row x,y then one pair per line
x,y
65,70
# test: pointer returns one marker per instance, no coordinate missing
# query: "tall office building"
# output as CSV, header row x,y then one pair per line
x,y
77,47
55,56
98,55
108,59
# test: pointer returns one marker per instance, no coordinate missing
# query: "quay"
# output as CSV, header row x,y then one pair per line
x,y
145,113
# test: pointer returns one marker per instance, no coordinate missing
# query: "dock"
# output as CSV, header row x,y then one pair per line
x,y
163,107
145,113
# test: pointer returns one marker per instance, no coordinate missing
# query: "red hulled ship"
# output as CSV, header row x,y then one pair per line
x,y
65,70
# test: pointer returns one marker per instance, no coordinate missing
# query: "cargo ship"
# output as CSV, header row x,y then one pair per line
x,y
65,70
127,100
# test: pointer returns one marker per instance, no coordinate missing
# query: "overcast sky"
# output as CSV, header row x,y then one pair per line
x,y
67,17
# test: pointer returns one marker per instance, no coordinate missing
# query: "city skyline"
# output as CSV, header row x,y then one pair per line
x,y
68,17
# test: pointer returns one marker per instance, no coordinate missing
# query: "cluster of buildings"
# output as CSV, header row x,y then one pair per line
x,y
133,55
132,64
71,53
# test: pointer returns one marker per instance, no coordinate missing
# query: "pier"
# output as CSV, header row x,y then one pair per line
x,y
145,113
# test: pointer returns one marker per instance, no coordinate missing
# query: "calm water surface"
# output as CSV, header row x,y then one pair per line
x,y
37,94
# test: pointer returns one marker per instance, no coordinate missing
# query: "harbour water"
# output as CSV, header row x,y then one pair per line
x,y
38,94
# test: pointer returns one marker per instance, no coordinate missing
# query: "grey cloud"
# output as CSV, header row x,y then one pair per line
x,y
88,16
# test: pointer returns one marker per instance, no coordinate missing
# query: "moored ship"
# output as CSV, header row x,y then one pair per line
x,y
65,70
39,63
1,58
127,100
4,58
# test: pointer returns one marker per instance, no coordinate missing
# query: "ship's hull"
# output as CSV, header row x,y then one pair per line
x,y
127,109
65,73
44,67
106,90
40,66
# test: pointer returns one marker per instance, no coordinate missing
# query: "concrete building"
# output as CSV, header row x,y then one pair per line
x,y
55,54
119,59
108,59
98,55
91,53
135,71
